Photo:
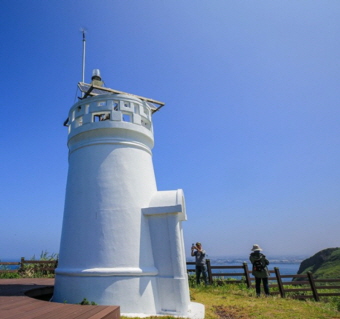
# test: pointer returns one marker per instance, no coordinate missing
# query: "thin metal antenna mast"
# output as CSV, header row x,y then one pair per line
x,y
84,47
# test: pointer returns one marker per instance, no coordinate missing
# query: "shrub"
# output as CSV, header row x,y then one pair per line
x,y
86,302
38,270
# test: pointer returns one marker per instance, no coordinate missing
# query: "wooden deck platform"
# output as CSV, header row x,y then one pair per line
x,y
15,302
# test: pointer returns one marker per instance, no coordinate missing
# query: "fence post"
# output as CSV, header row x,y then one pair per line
x,y
22,261
209,271
312,285
279,281
246,274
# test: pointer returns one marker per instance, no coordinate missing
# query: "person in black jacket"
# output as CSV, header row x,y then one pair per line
x,y
260,270
201,264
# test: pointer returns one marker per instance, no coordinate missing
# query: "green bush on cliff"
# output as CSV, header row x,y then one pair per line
x,y
324,264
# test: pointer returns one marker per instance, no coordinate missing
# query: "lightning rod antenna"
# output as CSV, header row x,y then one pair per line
x,y
84,47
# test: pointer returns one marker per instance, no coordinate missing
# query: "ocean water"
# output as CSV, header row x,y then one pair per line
x,y
286,267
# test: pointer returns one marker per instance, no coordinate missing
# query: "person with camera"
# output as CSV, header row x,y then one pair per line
x,y
201,264
260,270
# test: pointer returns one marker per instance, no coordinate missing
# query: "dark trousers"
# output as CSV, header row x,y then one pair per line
x,y
201,270
258,285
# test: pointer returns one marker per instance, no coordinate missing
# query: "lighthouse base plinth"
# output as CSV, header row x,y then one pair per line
x,y
137,296
195,311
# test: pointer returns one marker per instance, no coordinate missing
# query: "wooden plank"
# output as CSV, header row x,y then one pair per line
x,y
327,287
246,274
312,285
112,312
293,276
81,312
269,278
210,279
27,313
12,303
295,283
91,311
40,262
279,282
54,309
6,301
226,267
223,282
69,311
20,309
20,306
51,310
230,274
326,294
326,280
43,311
74,311
298,289
273,286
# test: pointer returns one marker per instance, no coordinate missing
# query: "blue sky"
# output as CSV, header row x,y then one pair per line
x,y
250,130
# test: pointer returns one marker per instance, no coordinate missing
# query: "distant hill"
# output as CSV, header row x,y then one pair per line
x,y
324,264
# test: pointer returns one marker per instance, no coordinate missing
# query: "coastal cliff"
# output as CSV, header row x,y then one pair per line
x,y
324,264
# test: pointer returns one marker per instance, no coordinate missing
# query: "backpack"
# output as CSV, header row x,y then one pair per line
x,y
258,265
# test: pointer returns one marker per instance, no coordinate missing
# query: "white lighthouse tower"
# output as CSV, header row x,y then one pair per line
x,y
122,239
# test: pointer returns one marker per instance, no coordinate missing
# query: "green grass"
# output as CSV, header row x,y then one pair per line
x,y
330,268
236,301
